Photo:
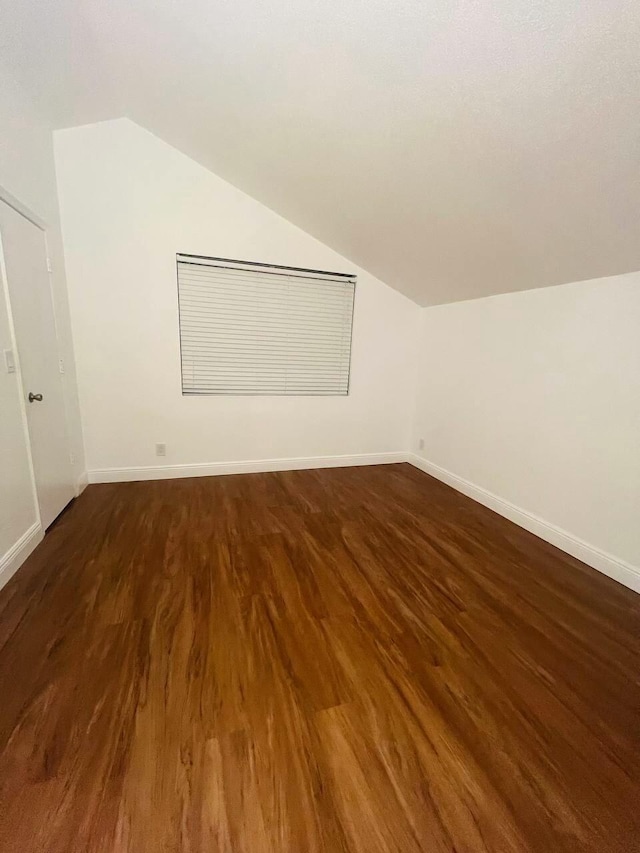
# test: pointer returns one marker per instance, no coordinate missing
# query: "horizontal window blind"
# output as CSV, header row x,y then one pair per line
x,y
248,328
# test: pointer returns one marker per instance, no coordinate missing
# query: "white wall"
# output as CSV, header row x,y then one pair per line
x,y
27,172
535,398
129,202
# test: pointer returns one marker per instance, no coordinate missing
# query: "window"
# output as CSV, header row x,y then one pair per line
x,y
248,328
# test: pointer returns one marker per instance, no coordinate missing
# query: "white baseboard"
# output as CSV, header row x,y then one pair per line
x,y
212,469
81,483
615,568
18,553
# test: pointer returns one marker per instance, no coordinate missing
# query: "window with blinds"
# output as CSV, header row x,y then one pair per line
x,y
249,328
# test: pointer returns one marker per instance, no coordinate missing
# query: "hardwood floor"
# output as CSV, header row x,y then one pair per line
x,y
337,660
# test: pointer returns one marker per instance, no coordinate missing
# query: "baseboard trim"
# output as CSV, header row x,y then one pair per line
x,y
254,466
81,483
609,565
18,553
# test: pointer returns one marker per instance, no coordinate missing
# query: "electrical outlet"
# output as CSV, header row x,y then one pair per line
x,y
161,449
421,444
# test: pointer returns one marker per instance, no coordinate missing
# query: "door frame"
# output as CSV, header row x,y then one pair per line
x,y
20,208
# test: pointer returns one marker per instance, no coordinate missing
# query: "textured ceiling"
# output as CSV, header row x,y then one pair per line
x,y
453,149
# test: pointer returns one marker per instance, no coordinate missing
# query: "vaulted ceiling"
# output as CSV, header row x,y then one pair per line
x,y
454,148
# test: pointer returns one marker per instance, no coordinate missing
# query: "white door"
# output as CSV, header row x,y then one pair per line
x,y
25,258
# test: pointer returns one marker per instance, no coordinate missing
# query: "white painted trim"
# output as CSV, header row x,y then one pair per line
x,y
81,483
18,553
615,568
62,378
212,469
22,209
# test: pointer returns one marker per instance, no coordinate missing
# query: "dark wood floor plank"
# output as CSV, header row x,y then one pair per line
x,y
358,660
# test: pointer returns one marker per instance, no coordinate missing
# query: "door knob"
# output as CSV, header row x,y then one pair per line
x,y
36,397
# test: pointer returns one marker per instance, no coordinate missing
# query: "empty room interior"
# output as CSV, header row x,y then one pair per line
x,y
319,426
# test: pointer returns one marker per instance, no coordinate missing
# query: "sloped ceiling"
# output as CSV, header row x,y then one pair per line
x,y
454,149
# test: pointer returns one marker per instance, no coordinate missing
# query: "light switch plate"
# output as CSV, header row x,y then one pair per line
x,y
9,360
